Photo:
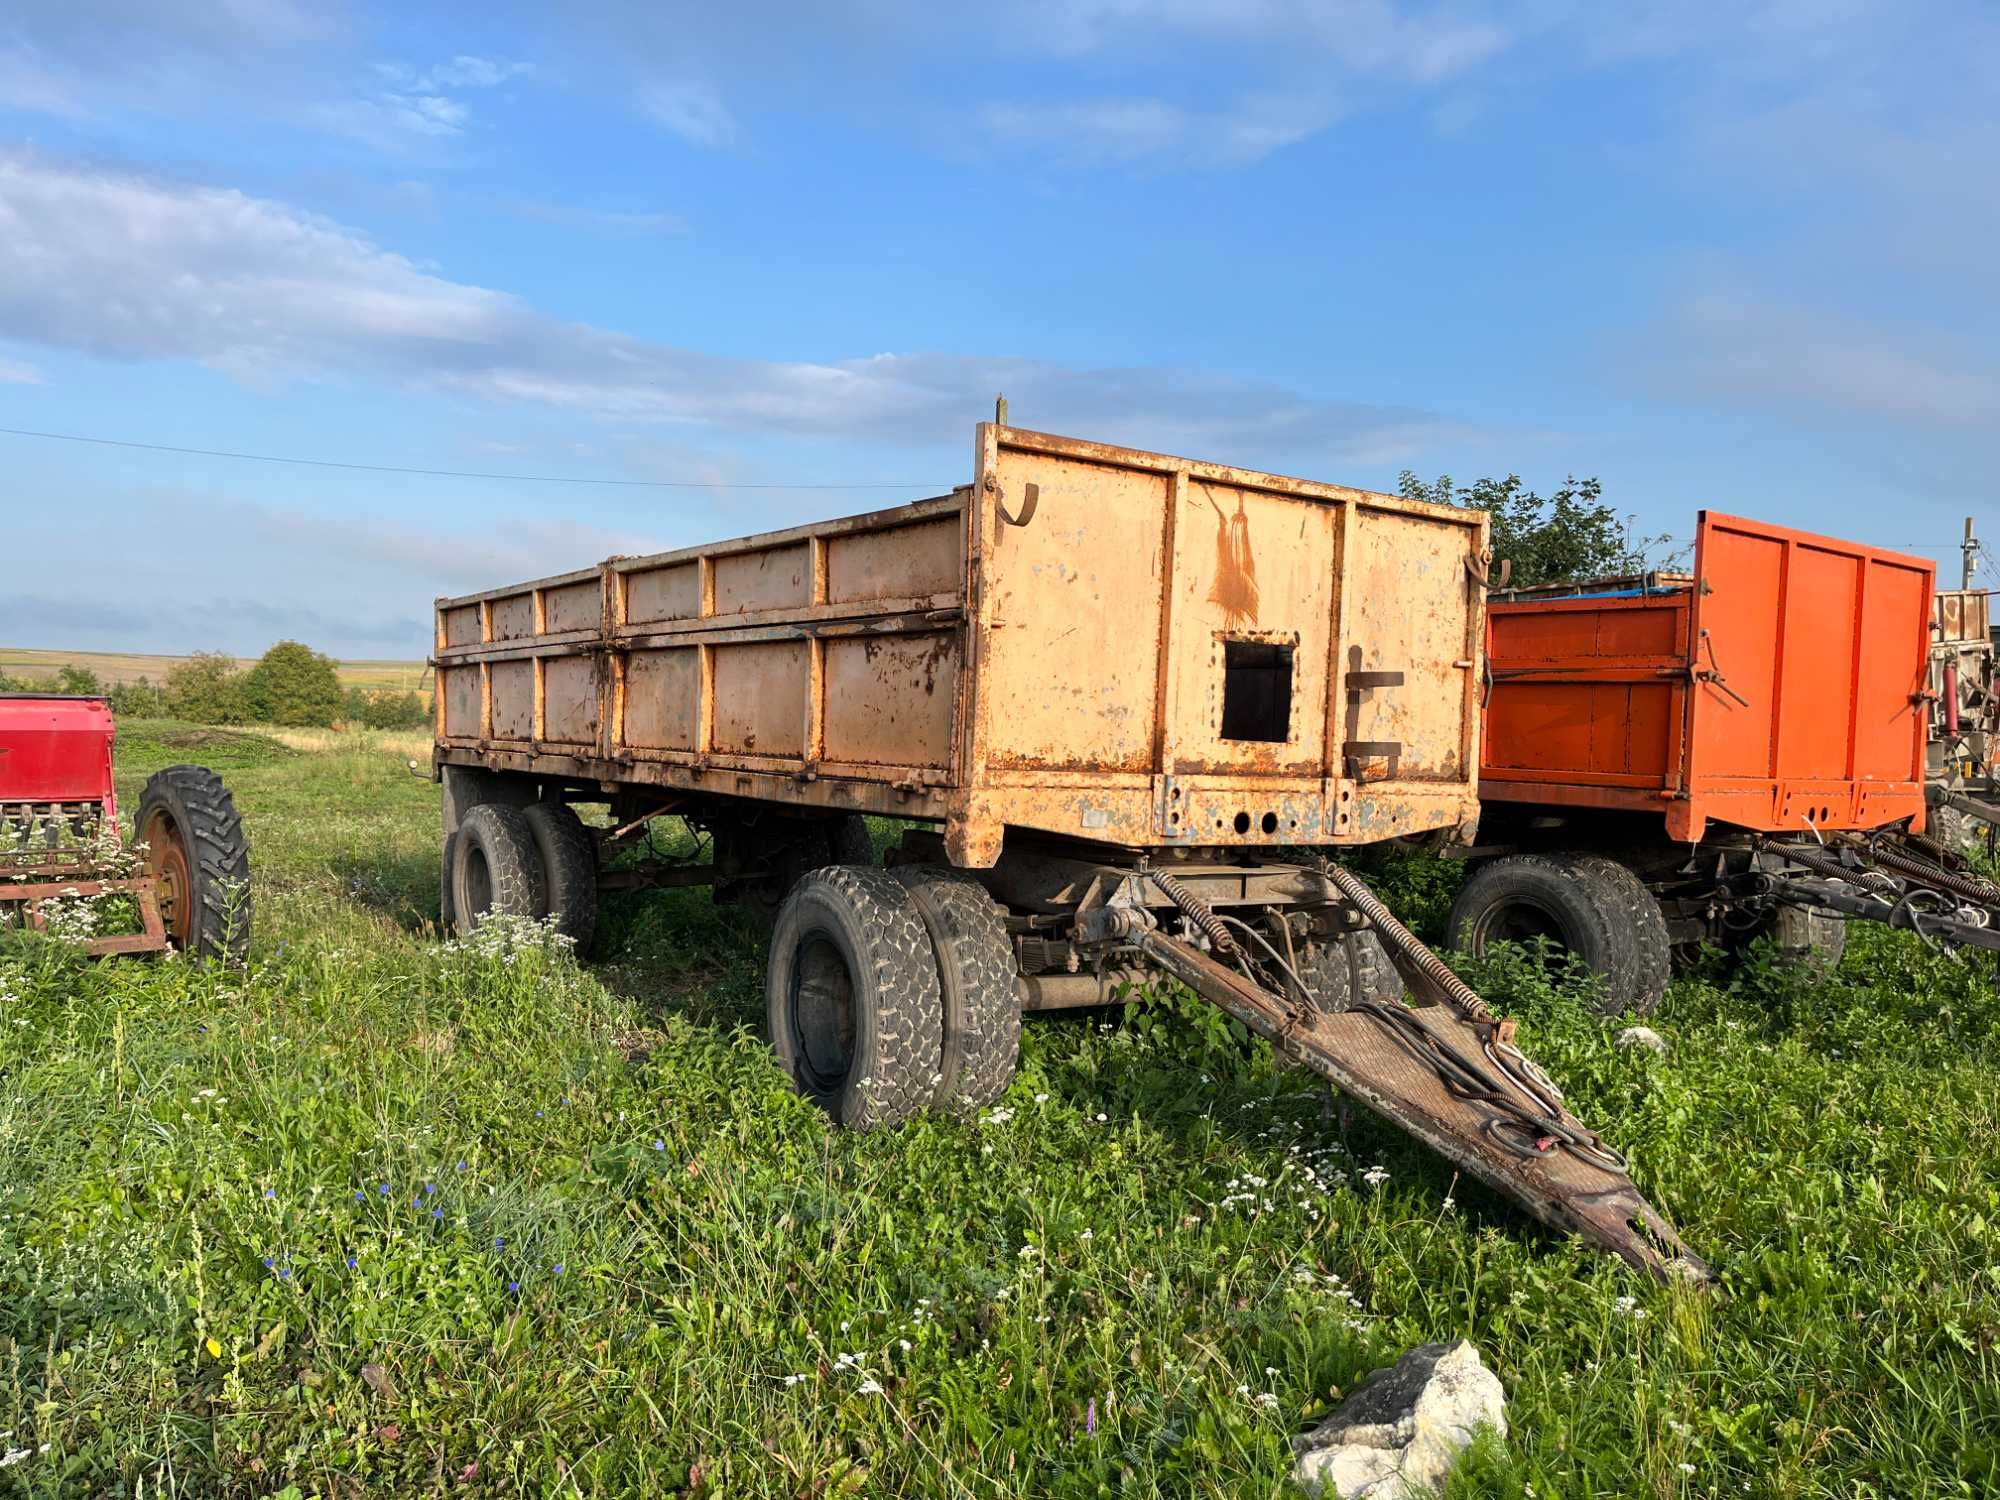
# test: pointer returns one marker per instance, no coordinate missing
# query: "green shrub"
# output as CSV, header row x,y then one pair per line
x,y
294,685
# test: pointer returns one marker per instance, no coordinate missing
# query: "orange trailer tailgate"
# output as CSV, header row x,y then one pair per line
x,y
1809,657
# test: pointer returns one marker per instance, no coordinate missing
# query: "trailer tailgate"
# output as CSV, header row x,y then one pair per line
x,y
1808,673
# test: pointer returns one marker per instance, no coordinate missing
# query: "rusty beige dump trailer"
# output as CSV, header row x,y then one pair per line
x,y
1115,693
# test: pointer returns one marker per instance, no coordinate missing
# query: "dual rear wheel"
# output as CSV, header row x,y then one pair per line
x,y
537,862
892,991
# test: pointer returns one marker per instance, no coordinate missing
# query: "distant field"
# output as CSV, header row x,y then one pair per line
x,y
121,666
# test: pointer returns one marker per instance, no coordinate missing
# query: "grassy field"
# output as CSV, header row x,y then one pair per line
x,y
114,667
389,1216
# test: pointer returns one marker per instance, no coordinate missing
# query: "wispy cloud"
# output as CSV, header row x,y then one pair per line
x,y
1729,351
1121,131
575,216
134,268
417,106
19,372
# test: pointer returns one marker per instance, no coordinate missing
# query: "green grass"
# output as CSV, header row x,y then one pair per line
x,y
114,667
612,1236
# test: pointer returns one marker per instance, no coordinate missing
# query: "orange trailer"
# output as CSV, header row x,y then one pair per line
x,y
1780,688
1657,753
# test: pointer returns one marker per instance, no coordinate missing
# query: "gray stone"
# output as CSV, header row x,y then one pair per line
x,y
1398,1435
1643,1036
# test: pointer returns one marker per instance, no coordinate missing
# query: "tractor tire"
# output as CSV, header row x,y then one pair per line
x,y
496,868
1645,924
197,854
851,991
1811,940
1522,897
569,869
976,981
1350,969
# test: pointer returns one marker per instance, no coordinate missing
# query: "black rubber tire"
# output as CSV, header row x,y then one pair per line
x,y
1520,896
495,868
1645,926
1348,969
1812,940
976,983
569,869
851,992
189,804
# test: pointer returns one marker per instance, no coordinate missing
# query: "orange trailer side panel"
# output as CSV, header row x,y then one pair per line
x,y
1780,691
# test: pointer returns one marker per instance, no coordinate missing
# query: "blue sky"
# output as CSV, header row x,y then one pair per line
x,y
1737,256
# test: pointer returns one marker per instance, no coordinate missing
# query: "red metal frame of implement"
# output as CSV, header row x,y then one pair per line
x,y
55,774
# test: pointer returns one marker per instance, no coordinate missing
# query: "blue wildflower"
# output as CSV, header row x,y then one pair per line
x,y
429,1188
437,1213
500,1243
352,1263
359,1196
659,1145
513,1286
268,1262
558,1268
270,1192
284,1273
385,1190
461,1166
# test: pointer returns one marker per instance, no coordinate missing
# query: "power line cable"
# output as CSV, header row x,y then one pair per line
x,y
330,463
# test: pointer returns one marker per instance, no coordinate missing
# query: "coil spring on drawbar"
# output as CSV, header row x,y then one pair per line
x,y
1195,910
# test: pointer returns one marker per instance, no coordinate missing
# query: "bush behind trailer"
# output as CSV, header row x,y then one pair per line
x,y
1112,688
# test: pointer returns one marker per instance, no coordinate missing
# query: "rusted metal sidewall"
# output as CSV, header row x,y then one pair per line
x,y
167,861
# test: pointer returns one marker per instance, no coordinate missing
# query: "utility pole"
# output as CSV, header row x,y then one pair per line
x,y
1970,550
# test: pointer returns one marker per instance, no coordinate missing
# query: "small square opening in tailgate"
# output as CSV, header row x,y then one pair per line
x,y
1257,691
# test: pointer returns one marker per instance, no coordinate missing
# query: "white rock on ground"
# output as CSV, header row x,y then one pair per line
x,y
1398,1435
1642,1036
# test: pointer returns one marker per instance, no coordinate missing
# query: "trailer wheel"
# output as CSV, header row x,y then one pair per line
x,y
568,857
1522,897
496,868
1644,924
852,994
1352,968
199,859
1812,940
976,981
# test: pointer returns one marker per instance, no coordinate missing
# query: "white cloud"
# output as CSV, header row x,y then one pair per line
x,y
128,267
691,108
572,216
1730,351
85,56
474,73
1112,132
18,372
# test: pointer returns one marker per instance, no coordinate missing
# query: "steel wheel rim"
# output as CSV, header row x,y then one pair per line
x,y
167,863
822,1013
478,881
1522,921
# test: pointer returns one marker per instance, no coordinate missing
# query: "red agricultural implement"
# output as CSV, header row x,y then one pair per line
x,y
183,882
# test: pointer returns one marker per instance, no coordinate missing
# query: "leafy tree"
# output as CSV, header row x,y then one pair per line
x,y
141,698
207,689
1568,536
385,709
293,684
79,680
